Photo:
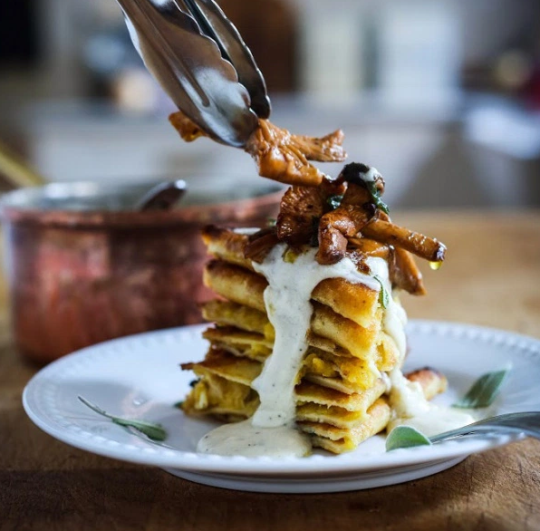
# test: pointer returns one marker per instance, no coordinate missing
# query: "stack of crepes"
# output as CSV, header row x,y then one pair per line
x,y
342,384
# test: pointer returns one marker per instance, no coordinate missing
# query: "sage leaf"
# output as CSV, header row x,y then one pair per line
x,y
484,391
376,198
405,437
155,432
384,296
152,431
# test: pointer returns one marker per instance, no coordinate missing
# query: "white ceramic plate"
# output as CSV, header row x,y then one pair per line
x,y
139,377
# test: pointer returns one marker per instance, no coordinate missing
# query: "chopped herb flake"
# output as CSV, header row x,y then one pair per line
x,y
375,197
334,201
384,296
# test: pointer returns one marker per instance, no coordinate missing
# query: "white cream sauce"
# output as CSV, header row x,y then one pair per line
x,y
412,409
243,438
271,431
395,318
371,175
248,231
289,310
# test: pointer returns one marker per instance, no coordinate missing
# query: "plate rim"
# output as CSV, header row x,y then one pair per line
x,y
313,465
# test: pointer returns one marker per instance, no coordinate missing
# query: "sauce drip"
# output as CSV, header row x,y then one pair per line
x,y
289,310
412,409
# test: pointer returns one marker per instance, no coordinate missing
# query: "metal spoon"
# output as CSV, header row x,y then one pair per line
x,y
162,196
524,422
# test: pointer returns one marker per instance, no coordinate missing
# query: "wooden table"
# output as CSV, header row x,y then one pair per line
x,y
492,277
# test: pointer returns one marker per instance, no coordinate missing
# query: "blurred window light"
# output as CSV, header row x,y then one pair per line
x,y
135,91
105,54
505,128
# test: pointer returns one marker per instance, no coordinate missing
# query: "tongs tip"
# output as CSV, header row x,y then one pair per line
x,y
200,59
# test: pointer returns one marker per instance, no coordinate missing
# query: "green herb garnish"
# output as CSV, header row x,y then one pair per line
x,y
178,404
271,222
152,431
334,201
314,239
405,437
384,296
375,197
484,391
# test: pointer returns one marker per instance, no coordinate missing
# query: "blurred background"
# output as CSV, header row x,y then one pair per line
x,y
442,96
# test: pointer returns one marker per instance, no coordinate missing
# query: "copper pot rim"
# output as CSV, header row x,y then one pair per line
x,y
235,211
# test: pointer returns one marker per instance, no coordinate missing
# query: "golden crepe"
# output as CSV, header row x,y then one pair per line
x,y
342,383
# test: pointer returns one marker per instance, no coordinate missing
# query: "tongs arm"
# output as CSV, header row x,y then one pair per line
x,y
214,24
200,74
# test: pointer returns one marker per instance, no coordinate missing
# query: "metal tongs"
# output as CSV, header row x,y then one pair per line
x,y
198,57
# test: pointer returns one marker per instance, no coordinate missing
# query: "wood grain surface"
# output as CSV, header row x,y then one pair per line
x,y
492,277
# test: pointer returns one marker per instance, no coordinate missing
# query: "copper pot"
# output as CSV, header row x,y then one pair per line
x,y
83,268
